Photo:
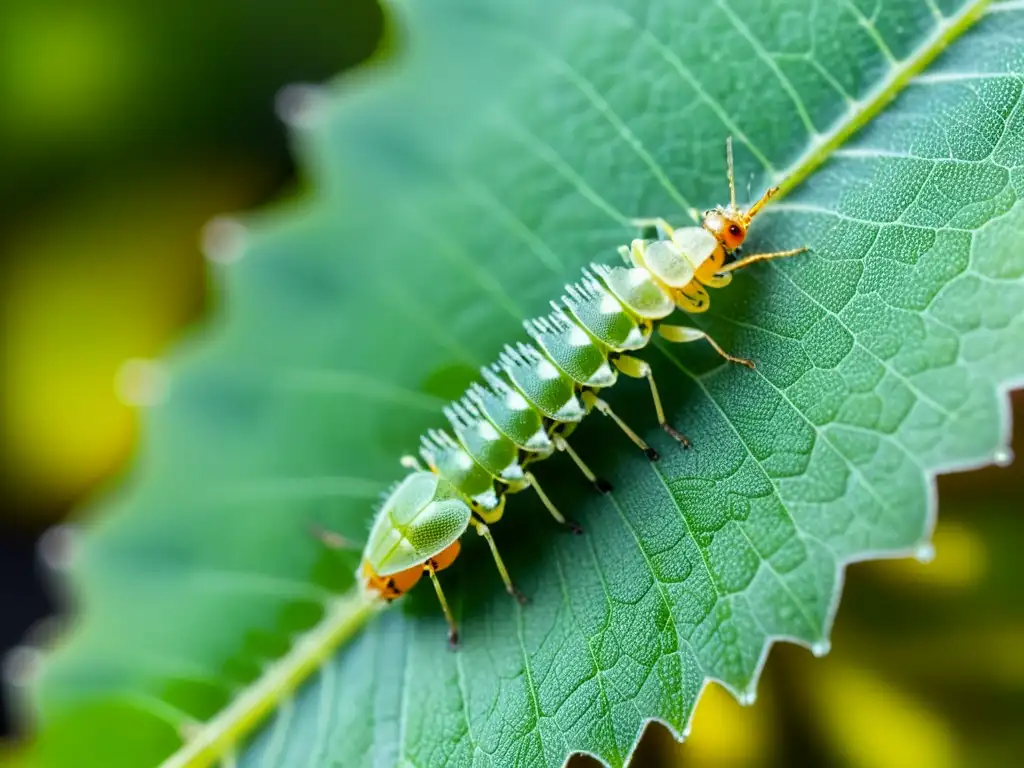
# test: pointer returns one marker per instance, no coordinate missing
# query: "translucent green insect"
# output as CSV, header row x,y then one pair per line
x,y
530,401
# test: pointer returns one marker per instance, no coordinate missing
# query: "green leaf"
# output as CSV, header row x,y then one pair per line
x,y
458,188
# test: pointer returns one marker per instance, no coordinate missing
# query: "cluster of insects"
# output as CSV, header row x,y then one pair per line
x,y
535,395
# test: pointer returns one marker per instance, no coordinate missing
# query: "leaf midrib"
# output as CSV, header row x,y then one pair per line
x,y
866,109
344,616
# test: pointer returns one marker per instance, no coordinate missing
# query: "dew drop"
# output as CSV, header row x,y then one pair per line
x,y
747,698
301,105
21,665
1003,457
821,648
57,546
141,382
223,240
924,553
686,731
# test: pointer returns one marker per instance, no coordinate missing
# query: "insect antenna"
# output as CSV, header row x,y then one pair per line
x,y
731,173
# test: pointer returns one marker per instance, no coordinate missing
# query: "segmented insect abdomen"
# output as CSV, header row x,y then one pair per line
x,y
452,462
599,311
572,350
509,418
546,388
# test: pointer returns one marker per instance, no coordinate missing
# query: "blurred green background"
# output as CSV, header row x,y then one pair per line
x,y
126,126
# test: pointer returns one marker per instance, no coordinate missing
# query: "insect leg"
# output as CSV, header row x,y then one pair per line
x,y
746,262
549,505
639,369
453,631
484,531
601,484
596,402
680,334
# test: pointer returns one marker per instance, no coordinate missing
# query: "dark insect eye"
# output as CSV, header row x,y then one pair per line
x,y
734,229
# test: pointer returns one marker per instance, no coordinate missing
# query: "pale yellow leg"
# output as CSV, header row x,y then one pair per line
x,y
453,631
531,480
594,401
602,485
484,531
639,369
680,334
746,262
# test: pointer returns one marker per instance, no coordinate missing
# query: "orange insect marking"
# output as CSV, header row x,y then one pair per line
x,y
395,585
446,557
